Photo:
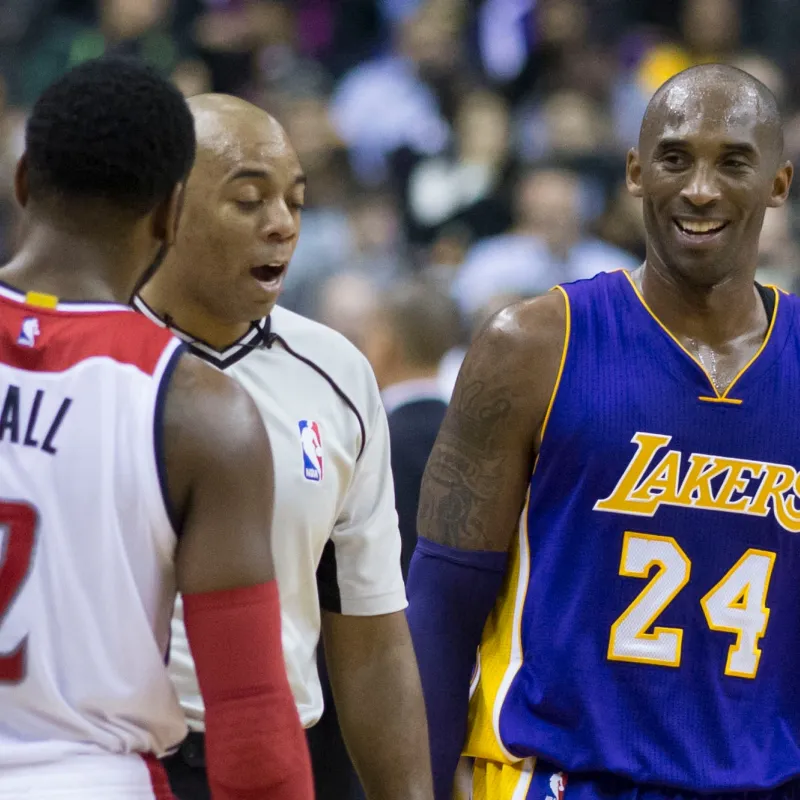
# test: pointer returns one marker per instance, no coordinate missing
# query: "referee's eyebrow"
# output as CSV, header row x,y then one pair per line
x,y
263,174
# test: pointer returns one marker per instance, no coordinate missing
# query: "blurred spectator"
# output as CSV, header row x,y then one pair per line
x,y
765,70
446,254
361,235
566,124
140,28
505,37
778,252
548,244
192,77
469,185
348,303
411,329
622,223
232,35
709,31
389,103
416,121
12,144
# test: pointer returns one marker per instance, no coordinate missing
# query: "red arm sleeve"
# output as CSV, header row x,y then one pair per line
x,y
255,745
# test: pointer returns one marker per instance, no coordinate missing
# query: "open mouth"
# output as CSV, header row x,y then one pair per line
x,y
268,273
700,228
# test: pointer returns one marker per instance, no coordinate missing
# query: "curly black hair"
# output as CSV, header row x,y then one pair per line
x,y
110,129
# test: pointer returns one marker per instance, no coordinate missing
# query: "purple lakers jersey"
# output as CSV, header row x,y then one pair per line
x,y
649,626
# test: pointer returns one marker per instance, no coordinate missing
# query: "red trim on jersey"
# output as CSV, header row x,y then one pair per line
x,y
54,340
158,777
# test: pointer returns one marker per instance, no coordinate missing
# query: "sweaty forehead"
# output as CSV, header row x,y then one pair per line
x,y
687,110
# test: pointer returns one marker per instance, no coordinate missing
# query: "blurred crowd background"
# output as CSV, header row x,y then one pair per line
x,y
476,144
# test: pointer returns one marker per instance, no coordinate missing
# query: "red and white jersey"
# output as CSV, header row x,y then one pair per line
x,y
87,579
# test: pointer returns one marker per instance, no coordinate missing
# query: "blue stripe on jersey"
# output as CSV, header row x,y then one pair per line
x,y
650,623
158,438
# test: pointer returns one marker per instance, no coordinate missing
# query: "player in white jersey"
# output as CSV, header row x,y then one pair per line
x,y
127,468
337,556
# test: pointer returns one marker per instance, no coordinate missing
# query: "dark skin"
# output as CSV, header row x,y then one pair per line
x,y
241,214
713,158
215,441
242,209
703,157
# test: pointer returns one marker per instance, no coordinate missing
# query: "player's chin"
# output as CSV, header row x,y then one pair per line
x,y
704,269
261,302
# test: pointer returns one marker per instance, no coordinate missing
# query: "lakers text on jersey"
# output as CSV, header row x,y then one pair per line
x,y
649,627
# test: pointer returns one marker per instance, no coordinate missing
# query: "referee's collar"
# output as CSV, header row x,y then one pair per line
x,y
255,336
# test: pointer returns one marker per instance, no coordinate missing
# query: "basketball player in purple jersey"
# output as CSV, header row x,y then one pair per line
x,y
633,640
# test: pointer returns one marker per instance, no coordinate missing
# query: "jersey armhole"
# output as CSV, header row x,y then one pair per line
x,y
330,597
158,435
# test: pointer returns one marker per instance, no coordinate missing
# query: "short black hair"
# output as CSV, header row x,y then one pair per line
x,y
111,129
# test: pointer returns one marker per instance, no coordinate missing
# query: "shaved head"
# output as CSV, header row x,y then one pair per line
x,y
241,221
708,165
709,89
224,124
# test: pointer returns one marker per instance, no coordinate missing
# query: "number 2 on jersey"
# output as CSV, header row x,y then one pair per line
x,y
737,604
17,537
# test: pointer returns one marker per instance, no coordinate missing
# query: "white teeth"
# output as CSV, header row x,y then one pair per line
x,y
700,227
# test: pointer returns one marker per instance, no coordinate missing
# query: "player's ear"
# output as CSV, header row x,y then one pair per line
x,y
21,186
633,173
781,185
167,216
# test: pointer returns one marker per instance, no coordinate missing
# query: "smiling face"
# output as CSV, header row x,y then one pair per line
x,y
242,214
707,167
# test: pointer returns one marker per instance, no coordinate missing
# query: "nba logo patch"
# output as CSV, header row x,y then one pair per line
x,y
28,332
311,442
558,785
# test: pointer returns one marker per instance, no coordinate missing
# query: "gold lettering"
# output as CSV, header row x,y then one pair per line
x,y
777,479
786,511
642,490
620,500
662,482
696,487
736,482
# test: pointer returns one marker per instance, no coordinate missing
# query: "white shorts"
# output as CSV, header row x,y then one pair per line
x,y
87,777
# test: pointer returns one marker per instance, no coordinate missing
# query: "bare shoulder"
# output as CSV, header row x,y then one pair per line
x,y
477,475
517,355
200,393
211,425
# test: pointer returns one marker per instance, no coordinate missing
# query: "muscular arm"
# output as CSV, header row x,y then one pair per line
x,y
220,482
378,697
473,492
474,485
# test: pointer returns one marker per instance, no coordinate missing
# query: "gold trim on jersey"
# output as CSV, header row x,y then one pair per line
x,y
41,300
495,781
730,400
500,653
723,396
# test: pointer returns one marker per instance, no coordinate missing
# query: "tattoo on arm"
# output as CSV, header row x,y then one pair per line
x,y
466,469
474,486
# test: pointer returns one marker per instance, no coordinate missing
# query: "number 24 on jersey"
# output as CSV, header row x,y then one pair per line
x,y
736,604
